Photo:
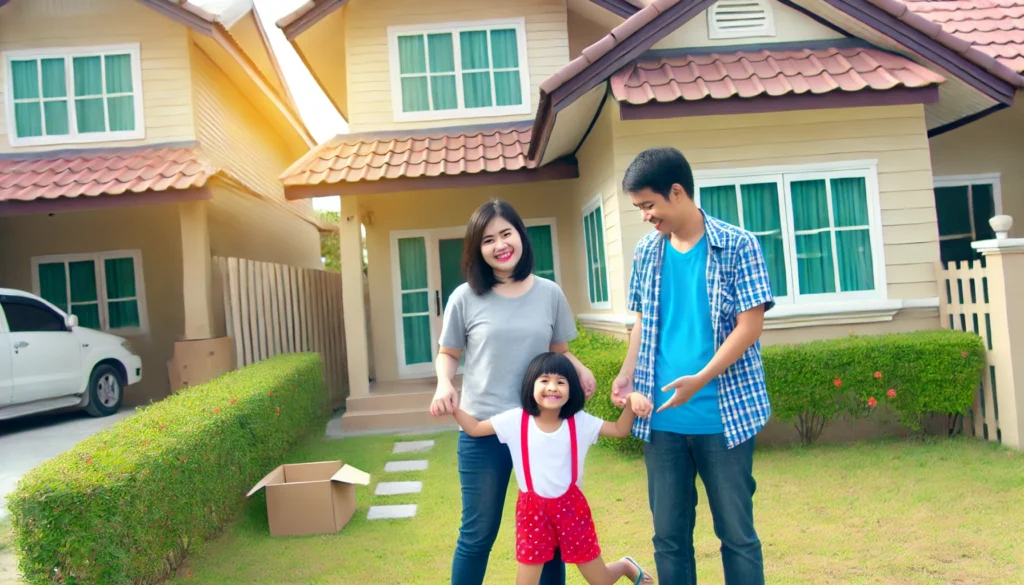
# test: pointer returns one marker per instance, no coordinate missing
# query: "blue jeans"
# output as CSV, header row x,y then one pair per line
x,y
673,463
485,466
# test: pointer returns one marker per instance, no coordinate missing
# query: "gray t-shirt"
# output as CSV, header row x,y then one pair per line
x,y
499,337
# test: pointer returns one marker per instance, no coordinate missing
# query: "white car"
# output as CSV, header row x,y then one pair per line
x,y
48,362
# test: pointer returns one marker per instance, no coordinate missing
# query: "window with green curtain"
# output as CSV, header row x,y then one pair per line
x,y
487,72
102,292
58,280
122,299
597,274
963,213
543,251
412,267
68,95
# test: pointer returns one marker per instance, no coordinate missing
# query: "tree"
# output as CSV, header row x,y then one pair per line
x,y
330,245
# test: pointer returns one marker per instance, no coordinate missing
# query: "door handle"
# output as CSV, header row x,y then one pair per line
x,y
20,345
437,302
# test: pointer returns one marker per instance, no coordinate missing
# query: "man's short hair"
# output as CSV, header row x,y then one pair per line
x,y
658,169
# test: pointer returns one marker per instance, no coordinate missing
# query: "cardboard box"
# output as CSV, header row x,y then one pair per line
x,y
310,498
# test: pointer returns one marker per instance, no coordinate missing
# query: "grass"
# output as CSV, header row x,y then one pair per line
x,y
892,512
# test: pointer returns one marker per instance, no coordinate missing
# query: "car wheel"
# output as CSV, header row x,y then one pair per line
x,y
106,390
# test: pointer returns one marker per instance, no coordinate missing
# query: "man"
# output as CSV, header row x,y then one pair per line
x,y
701,288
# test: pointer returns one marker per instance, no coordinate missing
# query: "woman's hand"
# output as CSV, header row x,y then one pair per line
x,y
446,398
587,380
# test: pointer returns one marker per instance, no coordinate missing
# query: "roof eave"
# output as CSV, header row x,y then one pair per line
x,y
307,15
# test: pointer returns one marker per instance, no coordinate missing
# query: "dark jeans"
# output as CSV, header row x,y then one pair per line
x,y
673,462
485,466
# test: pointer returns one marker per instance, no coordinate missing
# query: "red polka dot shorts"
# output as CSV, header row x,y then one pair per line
x,y
544,524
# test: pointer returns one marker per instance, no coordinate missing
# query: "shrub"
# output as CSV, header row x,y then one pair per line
x,y
812,383
917,374
124,505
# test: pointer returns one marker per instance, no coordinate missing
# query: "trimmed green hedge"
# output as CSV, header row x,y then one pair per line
x,y
810,384
124,505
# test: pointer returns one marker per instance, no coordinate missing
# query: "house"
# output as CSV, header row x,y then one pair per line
x,y
139,139
861,140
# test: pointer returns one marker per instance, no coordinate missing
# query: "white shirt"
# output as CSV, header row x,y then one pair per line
x,y
550,453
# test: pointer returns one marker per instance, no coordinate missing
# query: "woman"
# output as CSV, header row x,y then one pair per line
x,y
502,317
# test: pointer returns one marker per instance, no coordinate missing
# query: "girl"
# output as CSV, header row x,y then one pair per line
x,y
548,439
499,319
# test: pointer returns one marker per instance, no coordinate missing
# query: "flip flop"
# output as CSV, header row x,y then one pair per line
x,y
640,577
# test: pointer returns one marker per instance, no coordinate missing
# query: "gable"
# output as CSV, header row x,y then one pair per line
x,y
785,25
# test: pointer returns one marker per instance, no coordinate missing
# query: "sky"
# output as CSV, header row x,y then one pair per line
x,y
323,121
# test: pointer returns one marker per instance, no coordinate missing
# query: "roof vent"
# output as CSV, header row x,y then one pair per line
x,y
732,19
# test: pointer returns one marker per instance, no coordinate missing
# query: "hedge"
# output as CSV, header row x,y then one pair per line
x,y
916,374
124,505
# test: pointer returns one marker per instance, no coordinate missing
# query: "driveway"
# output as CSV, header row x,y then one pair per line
x,y
27,442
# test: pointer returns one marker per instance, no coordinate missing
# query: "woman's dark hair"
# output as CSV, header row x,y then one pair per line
x,y
475,269
559,365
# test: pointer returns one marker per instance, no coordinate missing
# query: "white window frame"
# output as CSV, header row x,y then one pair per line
x,y
74,136
98,259
784,176
519,24
969,181
595,204
715,33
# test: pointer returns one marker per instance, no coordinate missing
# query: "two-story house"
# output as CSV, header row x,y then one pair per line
x,y
138,139
860,140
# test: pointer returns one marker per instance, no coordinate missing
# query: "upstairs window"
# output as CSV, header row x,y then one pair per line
x,y
61,96
459,71
733,19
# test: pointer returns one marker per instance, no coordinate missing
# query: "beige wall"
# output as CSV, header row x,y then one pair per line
x,y
790,26
153,230
894,136
35,24
583,32
452,208
369,80
994,144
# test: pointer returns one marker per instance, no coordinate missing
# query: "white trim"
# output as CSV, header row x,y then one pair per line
x,y
999,246
767,30
733,173
596,204
102,299
519,24
549,221
68,53
993,179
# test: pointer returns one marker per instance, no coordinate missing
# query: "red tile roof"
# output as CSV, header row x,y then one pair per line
x,y
995,27
746,74
352,158
107,172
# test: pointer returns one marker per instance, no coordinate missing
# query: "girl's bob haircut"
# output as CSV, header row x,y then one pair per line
x,y
559,365
477,271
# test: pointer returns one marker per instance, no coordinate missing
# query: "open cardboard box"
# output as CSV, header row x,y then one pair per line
x,y
310,498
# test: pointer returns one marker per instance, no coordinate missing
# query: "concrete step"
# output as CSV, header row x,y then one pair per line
x,y
390,401
394,420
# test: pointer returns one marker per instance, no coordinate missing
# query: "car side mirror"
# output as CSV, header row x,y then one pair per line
x,y
71,321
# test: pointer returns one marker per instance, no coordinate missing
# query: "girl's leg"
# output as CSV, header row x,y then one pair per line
x,y
528,574
598,573
484,470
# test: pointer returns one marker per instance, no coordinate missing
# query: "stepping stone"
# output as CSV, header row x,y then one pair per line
x,y
394,488
412,446
391,512
396,466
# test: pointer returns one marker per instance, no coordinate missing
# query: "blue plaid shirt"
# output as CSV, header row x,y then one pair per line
x,y
737,281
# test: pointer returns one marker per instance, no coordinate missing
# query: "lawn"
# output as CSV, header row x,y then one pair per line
x,y
891,512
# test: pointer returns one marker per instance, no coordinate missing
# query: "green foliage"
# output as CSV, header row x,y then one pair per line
x,y
812,383
330,242
124,505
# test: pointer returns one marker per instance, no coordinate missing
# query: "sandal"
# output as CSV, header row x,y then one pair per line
x,y
639,578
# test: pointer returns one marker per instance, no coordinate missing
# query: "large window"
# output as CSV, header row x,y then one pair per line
x,y
819,231
74,95
459,70
597,265
964,205
104,290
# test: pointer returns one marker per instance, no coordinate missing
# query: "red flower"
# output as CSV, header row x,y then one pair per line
x,y
838,382
872,402
271,393
234,400
294,388
184,458
278,409
963,354
216,411
878,375
162,427
891,393
88,460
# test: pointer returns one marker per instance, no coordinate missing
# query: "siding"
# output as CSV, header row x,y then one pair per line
x,y
894,136
38,24
369,80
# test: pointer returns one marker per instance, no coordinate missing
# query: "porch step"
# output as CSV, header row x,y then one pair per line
x,y
390,401
393,420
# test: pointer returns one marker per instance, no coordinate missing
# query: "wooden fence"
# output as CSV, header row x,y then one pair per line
x,y
271,309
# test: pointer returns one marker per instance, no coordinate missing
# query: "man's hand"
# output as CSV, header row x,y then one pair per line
x,y
622,387
684,388
588,381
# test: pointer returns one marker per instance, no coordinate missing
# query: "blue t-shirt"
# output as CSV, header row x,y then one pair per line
x,y
686,342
